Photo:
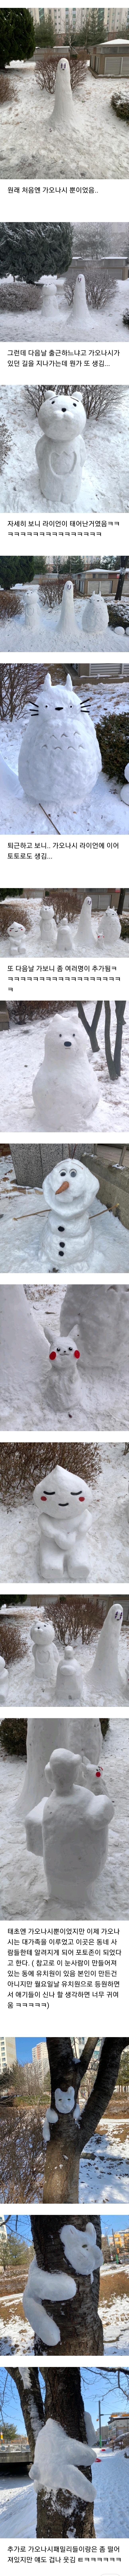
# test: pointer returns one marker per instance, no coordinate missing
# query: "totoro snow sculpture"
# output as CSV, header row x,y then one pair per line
x,y
59,758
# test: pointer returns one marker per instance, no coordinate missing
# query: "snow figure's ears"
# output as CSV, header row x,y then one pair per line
x,y
69,685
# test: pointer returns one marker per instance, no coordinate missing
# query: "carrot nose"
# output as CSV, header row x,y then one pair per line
x,y
63,1185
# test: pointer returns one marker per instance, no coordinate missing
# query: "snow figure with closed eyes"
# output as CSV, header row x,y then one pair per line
x,y
74,1831
59,758
62,1507
60,449
68,1195
65,1083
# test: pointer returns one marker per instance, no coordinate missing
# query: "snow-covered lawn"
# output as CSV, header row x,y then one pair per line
x,y
18,2508
53,316
114,2312
106,453
35,626
22,1052
13,2336
95,145
23,1884
111,2504
104,2169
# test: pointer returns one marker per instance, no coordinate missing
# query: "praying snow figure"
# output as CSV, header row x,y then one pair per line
x,y
69,1193
62,114
61,2462
61,1392
63,1506
76,1815
65,1082
59,758
60,449
105,1682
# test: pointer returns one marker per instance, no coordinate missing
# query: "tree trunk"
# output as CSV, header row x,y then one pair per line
x,y
63,2400
79,2323
67,2139
28,2384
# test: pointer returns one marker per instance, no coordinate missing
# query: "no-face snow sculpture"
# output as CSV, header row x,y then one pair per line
x,y
99,1318
66,1080
59,758
60,449
61,2462
4,1679
24,1357
62,1508
69,1192
74,1832
104,1679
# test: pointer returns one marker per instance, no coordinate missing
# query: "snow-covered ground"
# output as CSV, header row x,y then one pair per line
x,y
111,2503
22,1878
104,2167
35,626
53,316
38,1393
22,1052
107,1529
39,937
95,141
13,2336
115,2319
18,2508
106,451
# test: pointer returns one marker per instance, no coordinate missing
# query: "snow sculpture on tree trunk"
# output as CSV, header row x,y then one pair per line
x,y
60,2461
65,1077
74,1832
80,2247
60,1504
60,450
62,115
69,1191
59,758
45,1655
52,2286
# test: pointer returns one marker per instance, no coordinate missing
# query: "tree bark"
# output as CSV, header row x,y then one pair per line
x,y
62,2157
79,2324
64,2401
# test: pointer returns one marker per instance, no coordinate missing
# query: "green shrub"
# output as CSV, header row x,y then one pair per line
x,y
17,35
113,737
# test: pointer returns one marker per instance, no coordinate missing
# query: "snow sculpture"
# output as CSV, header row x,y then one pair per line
x,y
66,1077
40,1739
80,308
24,1357
63,103
59,758
67,629
95,620
64,2101
69,1191
53,2286
89,931
50,2120
64,1361
81,2248
48,929
4,1679
60,2461
60,449
95,1316
69,1685
74,1832
125,789
60,1502
104,1680
45,1655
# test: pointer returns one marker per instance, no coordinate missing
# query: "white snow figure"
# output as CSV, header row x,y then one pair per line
x,y
65,1081
60,2461
60,449
45,1655
104,1680
80,309
74,1832
95,620
24,1358
61,1388
69,1191
98,1316
59,758
48,929
63,103
81,2249
60,1502
53,2286
41,1737
68,1686
4,1679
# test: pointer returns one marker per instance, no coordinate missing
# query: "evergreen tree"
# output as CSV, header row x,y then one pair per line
x,y
17,35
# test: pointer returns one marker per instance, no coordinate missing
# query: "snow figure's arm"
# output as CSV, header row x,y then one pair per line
x,y
54,2286
59,2461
